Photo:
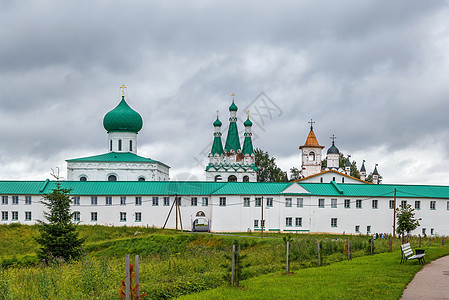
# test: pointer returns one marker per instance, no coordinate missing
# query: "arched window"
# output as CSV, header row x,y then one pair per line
x,y
321,179
245,178
112,178
342,180
312,156
110,145
333,178
218,178
130,146
83,178
119,145
232,178
141,179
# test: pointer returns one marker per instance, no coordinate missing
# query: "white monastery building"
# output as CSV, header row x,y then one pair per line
x,y
121,188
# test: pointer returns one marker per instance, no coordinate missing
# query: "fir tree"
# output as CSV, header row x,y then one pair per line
x,y
58,236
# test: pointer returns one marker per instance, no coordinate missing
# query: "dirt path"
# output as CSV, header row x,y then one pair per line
x,y
432,282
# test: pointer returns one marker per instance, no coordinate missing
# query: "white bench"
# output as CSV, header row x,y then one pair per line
x,y
407,254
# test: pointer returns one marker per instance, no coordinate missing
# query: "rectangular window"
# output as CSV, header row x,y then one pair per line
x,y
391,204
246,201
333,203
27,200
258,202
76,200
28,216
298,222
193,201
123,217
93,200
431,231
138,200
288,202
368,229
93,216
333,222
108,200
358,203
14,216
417,205
222,201
205,201
4,200
4,216
166,201
76,216
375,203
321,203
403,203
447,204
155,201
357,228
15,200
138,217
347,203
288,221
299,202
424,232
433,205
269,202
256,223
122,200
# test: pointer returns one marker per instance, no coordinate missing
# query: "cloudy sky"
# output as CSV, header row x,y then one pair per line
x,y
374,73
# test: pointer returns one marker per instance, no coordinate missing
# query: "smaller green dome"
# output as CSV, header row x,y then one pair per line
x,y
233,107
122,118
217,123
248,122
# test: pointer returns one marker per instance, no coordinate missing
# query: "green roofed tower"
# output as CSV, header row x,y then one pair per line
x,y
231,163
121,163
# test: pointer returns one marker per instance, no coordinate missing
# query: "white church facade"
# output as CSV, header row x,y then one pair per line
x,y
121,162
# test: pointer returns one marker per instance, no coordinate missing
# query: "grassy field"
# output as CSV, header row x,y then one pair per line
x,y
172,263
370,277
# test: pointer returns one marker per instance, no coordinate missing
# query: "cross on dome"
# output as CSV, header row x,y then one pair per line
x,y
123,87
311,124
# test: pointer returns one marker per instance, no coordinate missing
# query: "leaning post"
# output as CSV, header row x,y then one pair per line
x,y
128,278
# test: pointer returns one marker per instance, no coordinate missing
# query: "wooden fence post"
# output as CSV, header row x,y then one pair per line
x,y
349,250
128,278
288,262
233,265
319,254
419,242
442,241
391,243
136,267
372,244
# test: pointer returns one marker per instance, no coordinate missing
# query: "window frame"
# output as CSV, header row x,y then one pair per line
x,y
433,205
108,200
76,200
347,203
222,201
76,216
298,222
333,203
321,203
375,204
246,201
14,214
288,221
5,200
166,201
334,222
205,201
193,201
138,201
28,200
155,201
15,200
138,217
269,201
93,200
391,204
288,202
122,216
258,201
92,215
28,216
358,203
299,202
123,200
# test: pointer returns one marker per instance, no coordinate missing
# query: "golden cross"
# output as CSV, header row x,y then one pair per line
x,y
233,97
248,113
217,113
123,87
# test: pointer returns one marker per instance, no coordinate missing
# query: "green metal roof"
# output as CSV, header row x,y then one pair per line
x,y
232,140
248,122
217,146
248,146
233,107
199,188
122,118
217,123
115,157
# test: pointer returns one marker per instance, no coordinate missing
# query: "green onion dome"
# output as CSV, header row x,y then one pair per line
x,y
233,107
248,122
217,123
122,118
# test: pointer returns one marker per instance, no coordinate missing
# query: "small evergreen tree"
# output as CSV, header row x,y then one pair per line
x,y
58,236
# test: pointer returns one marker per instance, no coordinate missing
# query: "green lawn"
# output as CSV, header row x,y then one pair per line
x,y
371,277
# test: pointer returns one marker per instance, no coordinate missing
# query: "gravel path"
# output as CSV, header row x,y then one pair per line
x,y
432,282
